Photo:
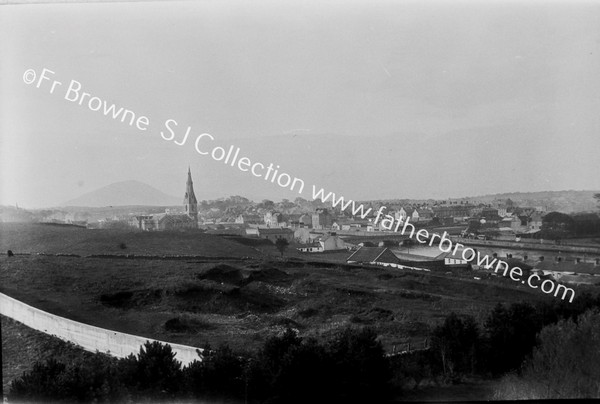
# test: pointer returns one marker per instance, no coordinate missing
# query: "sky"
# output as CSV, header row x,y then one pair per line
x,y
507,89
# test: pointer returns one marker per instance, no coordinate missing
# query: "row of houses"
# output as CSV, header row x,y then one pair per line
x,y
575,271
323,219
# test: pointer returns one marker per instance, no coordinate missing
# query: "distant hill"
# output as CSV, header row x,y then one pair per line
x,y
562,201
125,193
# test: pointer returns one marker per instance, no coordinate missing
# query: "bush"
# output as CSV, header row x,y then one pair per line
x,y
511,336
94,378
456,344
361,371
282,245
154,373
221,373
349,368
566,364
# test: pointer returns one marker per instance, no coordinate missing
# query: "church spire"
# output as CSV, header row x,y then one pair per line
x,y
189,201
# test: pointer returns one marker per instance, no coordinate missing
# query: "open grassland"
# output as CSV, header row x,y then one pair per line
x,y
62,239
240,302
243,302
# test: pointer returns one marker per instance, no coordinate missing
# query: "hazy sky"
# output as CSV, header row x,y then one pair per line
x,y
250,72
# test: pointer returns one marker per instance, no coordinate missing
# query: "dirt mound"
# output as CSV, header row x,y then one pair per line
x,y
225,299
185,324
223,273
372,316
268,275
129,299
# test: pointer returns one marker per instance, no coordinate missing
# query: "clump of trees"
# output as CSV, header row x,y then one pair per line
x,y
349,367
457,342
556,225
508,338
548,350
565,364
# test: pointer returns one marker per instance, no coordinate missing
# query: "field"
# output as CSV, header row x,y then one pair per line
x,y
241,300
65,239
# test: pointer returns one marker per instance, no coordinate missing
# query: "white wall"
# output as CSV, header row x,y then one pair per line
x,y
86,336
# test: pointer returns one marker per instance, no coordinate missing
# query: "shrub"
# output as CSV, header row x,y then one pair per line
x,y
456,344
349,368
511,336
221,373
154,373
282,245
361,370
566,364
92,378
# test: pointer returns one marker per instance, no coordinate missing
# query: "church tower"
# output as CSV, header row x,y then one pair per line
x,y
189,201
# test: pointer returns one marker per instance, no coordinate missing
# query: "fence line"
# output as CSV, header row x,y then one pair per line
x,y
86,336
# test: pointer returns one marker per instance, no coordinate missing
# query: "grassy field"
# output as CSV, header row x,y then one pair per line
x,y
57,239
239,302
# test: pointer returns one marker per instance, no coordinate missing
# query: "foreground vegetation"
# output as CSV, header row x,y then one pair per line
x,y
351,367
544,351
336,313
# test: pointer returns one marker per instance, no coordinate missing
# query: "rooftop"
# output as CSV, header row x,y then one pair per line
x,y
373,254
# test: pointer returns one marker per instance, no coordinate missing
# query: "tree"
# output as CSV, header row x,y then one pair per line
x,y
566,364
155,372
511,336
474,226
264,373
219,374
556,225
586,224
39,383
456,342
282,244
89,378
266,204
361,370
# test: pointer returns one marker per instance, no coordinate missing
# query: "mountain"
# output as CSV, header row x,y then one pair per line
x,y
125,193
561,201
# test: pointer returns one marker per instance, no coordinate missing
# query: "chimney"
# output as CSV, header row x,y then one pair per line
x,y
577,260
597,262
541,258
558,259
525,257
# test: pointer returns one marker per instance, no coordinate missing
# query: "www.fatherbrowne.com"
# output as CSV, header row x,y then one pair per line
x,y
447,246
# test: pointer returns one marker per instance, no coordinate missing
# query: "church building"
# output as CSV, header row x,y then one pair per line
x,y
174,220
189,200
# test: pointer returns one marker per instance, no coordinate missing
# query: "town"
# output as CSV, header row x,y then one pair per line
x,y
251,274
551,244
